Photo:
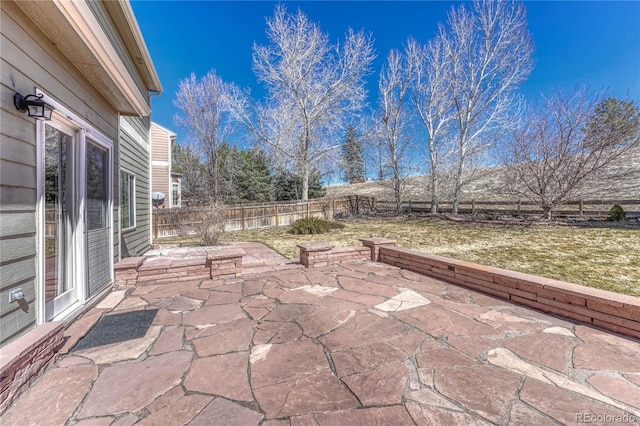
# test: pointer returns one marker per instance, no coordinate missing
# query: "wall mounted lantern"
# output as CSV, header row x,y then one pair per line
x,y
33,105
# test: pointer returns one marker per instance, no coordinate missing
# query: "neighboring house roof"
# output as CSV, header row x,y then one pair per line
x,y
164,129
77,30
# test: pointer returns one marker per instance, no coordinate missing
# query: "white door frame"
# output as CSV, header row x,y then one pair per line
x,y
83,131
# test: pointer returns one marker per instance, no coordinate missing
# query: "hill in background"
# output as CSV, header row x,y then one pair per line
x,y
492,185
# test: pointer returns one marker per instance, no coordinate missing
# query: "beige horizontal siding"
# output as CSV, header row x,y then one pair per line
x,y
160,181
160,144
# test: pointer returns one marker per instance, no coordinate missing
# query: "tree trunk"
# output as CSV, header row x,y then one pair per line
x,y
457,194
434,194
434,183
305,184
397,188
456,201
397,192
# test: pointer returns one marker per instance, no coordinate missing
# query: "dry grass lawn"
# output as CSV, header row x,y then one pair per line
x,y
599,256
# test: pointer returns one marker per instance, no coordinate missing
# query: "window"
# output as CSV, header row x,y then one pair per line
x,y
97,187
175,193
127,200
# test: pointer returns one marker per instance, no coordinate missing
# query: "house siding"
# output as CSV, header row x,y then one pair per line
x,y
161,144
134,158
161,156
160,184
29,61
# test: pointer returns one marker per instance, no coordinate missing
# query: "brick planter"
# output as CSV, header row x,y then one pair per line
x,y
313,255
126,271
374,245
168,268
225,263
612,311
23,360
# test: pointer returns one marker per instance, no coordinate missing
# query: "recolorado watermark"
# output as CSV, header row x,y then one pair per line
x,y
606,418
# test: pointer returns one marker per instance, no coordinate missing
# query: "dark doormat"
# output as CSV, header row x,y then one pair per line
x,y
116,328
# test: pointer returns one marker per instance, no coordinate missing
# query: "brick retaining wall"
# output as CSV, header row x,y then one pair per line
x,y
214,263
313,255
225,263
23,360
612,311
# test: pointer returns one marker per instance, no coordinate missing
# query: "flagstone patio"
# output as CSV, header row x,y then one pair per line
x,y
360,343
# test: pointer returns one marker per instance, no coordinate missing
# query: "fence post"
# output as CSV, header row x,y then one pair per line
x,y
519,206
155,224
473,207
307,209
357,204
581,207
277,218
333,209
242,216
410,207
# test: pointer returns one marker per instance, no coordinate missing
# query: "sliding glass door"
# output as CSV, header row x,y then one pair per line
x,y
97,217
76,195
60,290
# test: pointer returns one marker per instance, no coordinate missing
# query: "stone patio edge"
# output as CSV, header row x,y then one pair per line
x,y
612,311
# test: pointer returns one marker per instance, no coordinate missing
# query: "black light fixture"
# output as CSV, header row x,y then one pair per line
x,y
33,105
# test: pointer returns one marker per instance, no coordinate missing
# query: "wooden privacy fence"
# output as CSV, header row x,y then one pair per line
x,y
170,222
574,208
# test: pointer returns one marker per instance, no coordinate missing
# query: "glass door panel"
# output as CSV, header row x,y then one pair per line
x,y
98,224
59,290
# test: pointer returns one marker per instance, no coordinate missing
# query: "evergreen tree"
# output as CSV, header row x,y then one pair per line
x,y
245,175
288,186
352,158
253,181
229,167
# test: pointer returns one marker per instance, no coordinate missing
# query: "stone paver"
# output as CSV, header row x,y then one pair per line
x,y
357,344
222,375
45,403
129,387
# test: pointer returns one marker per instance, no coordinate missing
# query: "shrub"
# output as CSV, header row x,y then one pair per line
x,y
313,225
206,223
616,214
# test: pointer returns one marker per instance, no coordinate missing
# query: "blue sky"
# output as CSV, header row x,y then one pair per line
x,y
576,42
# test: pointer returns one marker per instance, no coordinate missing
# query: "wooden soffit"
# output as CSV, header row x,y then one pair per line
x,y
74,30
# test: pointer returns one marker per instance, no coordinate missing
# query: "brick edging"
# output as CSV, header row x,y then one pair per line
x,y
314,255
26,358
214,263
615,312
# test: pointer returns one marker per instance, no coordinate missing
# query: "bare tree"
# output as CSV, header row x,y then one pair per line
x,y
186,162
566,142
205,117
430,95
394,138
312,86
489,54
